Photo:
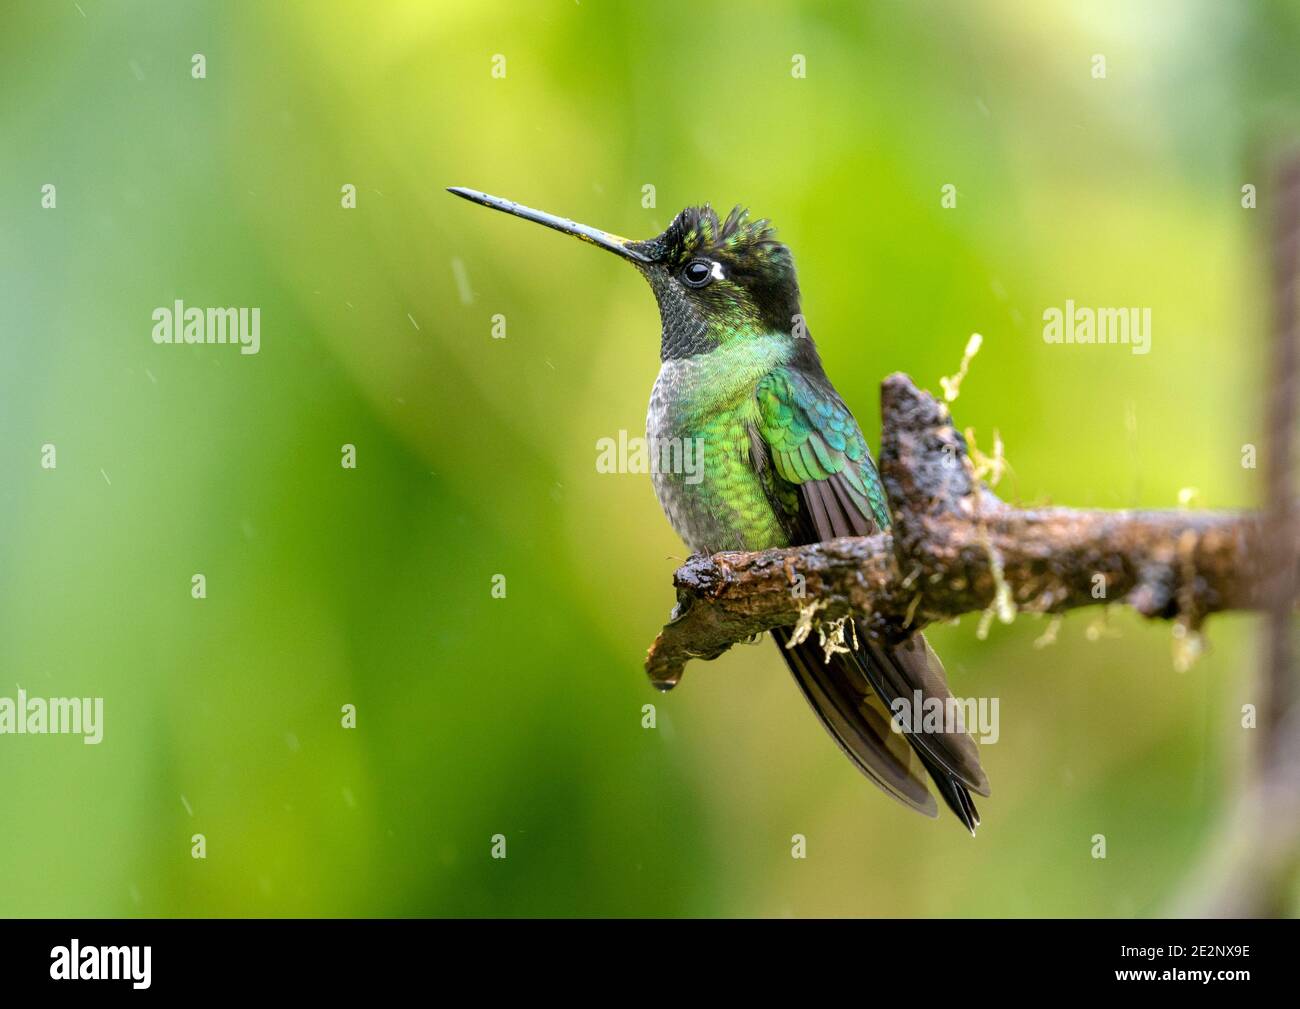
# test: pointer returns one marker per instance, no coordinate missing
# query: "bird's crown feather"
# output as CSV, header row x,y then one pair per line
x,y
698,231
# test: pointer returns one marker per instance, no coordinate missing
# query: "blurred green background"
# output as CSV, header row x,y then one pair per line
x,y
476,456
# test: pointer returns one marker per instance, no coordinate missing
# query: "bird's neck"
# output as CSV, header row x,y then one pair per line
x,y
724,377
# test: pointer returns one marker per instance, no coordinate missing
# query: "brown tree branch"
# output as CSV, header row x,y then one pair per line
x,y
955,548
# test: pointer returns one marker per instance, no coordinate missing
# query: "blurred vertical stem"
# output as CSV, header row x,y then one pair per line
x,y
1279,680
1251,871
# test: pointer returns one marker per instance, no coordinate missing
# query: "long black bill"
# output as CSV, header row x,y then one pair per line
x,y
614,243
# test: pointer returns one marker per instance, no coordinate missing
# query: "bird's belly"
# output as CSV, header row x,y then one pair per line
x,y
714,498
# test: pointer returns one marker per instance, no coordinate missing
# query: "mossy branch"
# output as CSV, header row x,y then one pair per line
x,y
955,548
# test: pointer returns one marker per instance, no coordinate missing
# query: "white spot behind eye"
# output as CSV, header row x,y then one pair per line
x,y
717,271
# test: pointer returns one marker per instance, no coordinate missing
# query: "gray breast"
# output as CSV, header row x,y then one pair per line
x,y
699,526
660,425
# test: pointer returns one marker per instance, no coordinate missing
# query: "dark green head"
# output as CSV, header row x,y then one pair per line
x,y
716,281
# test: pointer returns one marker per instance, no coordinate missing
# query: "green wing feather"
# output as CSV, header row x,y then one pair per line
x,y
812,437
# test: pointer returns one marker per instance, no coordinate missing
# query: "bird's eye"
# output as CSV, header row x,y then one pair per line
x,y
697,273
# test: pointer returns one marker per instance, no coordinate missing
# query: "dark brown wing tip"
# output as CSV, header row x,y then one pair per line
x,y
965,809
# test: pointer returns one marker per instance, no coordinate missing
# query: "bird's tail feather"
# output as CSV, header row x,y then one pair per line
x,y
851,692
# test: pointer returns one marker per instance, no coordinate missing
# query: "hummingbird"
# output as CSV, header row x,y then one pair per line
x,y
784,463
